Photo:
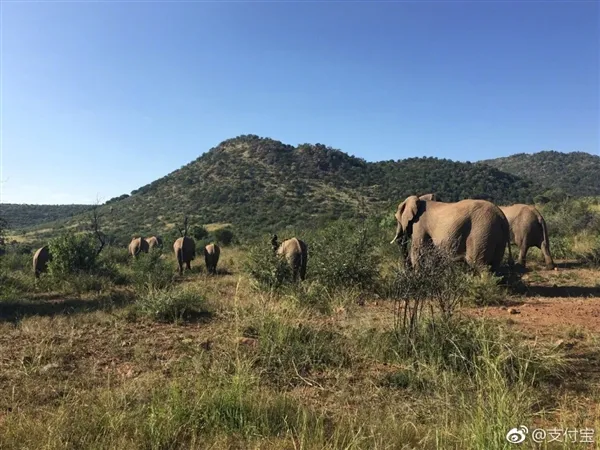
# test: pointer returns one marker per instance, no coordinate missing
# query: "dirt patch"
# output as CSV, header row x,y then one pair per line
x,y
547,315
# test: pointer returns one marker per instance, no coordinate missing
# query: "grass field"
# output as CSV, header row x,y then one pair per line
x,y
215,362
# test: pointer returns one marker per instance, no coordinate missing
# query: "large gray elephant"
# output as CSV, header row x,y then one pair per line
x,y
154,241
403,243
40,260
295,252
211,257
185,252
528,229
473,230
138,245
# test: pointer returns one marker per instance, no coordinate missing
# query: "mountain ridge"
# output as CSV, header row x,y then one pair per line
x,y
258,184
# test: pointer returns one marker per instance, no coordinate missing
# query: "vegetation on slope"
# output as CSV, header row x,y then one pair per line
x,y
575,173
259,185
21,216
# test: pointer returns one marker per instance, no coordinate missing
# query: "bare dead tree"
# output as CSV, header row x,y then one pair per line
x,y
95,226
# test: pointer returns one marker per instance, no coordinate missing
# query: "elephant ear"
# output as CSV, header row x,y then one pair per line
x,y
408,210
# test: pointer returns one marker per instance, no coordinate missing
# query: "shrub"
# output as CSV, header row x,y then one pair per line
x,y
72,253
113,254
151,271
343,254
267,270
223,236
17,262
199,232
171,305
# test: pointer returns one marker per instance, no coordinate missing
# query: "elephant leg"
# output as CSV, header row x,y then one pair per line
x,y
547,257
522,260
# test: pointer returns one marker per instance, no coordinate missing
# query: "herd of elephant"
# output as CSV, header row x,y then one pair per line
x,y
476,231
294,250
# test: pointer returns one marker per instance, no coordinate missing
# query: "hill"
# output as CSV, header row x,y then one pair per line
x,y
20,216
260,184
575,173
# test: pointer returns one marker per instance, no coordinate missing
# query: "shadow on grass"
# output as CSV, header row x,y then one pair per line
x,y
14,311
562,291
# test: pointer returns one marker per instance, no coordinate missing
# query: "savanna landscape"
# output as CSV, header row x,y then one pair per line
x,y
106,349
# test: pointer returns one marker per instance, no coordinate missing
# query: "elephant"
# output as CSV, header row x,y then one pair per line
x,y
476,231
211,257
40,260
295,252
154,241
432,197
404,241
528,229
185,252
138,245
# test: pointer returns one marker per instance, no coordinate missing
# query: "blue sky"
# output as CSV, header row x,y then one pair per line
x,y
99,99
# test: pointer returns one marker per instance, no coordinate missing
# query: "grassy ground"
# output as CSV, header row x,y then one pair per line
x,y
214,362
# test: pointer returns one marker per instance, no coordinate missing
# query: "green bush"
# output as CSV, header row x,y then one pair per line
x,y
151,271
267,270
343,254
170,305
16,262
116,255
199,232
72,253
223,236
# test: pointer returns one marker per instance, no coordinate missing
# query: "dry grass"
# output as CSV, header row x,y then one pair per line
x,y
262,370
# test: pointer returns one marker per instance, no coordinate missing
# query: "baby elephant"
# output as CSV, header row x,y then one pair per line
x,y
40,260
138,245
295,252
528,229
211,257
185,252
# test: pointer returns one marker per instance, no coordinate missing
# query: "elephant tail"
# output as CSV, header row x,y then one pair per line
x,y
542,223
506,226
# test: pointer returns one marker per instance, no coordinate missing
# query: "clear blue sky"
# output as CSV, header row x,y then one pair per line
x,y
99,99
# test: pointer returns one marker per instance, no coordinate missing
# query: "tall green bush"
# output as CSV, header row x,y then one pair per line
x,y
73,253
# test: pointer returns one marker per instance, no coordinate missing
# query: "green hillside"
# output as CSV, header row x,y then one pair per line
x,y
260,184
575,173
20,216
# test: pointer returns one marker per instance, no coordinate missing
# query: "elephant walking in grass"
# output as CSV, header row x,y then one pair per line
x,y
185,251
211,257
138,245
528,229
40,260
472,230
295,252
154,241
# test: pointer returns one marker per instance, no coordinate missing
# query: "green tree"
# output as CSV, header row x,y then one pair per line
x,y
72,253
224,236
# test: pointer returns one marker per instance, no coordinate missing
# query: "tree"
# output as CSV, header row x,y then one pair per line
x,y
199,232
224,235
95,227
